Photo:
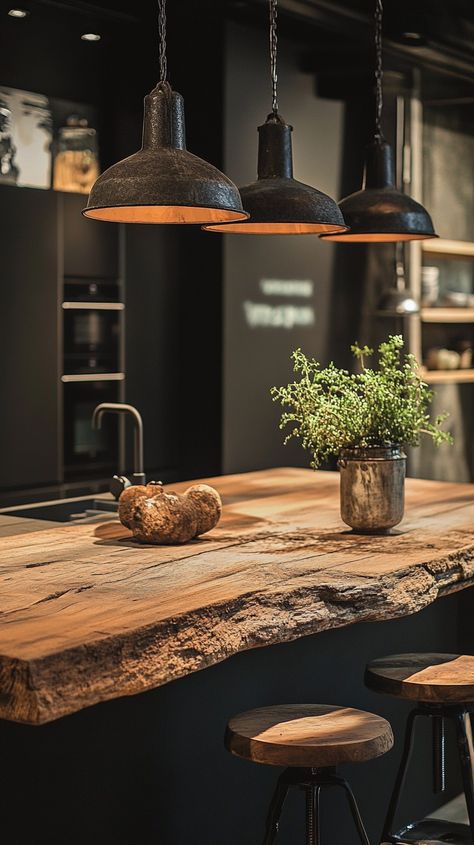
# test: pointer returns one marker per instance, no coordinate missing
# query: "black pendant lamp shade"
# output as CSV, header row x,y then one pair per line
x,y
379,212
278,204
163,182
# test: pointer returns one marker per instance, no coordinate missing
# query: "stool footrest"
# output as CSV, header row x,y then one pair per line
x,y
432,832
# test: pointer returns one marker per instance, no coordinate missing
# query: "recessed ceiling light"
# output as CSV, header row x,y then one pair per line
x,y
412,36
18,13
90,36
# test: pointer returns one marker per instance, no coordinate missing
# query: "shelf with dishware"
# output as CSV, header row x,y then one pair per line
x,y
446,320
447,315
441,270
447,312
451,248
459,376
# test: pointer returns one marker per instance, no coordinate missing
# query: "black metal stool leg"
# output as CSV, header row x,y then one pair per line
x,y
466,758
275,808
355,812
312,781
313,829
401,775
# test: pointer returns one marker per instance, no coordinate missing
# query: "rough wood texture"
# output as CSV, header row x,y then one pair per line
x,y
14,525
436,678
308,735
88,614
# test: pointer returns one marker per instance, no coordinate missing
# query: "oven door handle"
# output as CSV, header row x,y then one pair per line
x,y
93,306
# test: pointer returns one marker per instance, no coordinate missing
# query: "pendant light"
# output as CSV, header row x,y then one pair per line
x,y
379,212
278,204
163,182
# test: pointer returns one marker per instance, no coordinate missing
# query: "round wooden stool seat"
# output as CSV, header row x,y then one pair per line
x,y
308,735
428,678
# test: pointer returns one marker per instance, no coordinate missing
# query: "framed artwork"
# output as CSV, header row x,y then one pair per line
x,y
26,134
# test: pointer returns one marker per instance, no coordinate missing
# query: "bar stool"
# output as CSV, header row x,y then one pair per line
x,y
311,740
443,687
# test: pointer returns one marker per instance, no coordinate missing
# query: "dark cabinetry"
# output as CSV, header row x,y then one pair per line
x,y
90,250
153,340
173,347
29,419
49,252
91,313
92,366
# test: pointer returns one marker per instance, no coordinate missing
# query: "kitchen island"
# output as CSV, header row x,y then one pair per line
x,y
87,614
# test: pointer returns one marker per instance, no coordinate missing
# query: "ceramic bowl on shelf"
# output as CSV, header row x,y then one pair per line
x,y
459,299
429,286
442,359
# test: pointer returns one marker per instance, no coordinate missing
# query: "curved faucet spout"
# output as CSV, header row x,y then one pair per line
x,y
120,408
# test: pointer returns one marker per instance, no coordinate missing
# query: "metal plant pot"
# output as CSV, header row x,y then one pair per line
x,y
372,488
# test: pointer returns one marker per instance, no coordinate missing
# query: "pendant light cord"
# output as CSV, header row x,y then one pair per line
x,y
163,84
273,54
378,69
162,41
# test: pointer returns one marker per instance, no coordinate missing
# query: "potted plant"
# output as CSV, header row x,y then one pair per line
x,y
365,419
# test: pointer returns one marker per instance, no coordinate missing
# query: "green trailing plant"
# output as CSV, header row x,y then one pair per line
x,y
331,409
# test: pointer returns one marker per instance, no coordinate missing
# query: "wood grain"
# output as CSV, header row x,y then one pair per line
x,y
435,678
88,614
308,735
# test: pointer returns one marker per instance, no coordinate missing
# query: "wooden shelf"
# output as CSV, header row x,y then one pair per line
x,y
447,315
440,246
447,376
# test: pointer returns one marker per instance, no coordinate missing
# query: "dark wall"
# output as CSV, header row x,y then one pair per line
x,y
152,347
323,322
152,768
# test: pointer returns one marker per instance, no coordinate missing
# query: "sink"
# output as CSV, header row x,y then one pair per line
x,y
75,510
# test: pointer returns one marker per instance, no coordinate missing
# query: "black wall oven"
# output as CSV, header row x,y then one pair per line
x,y
92,328
93,372
90,452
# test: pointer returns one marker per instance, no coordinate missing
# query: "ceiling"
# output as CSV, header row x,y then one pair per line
x,y
435,34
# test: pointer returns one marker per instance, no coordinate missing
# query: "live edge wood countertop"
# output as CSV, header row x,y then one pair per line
x,y
87,614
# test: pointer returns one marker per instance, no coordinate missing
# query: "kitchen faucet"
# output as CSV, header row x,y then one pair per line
x,y
120,482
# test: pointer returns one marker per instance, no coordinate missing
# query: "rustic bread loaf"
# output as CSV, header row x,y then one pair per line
x,y
162,517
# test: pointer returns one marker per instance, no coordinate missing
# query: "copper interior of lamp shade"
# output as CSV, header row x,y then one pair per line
x,y
378,237
249,228
163,214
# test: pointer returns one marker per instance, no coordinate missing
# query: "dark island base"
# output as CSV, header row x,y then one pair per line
x,y
152,768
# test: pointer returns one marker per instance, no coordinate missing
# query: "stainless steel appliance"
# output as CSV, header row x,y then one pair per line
x,y
92,327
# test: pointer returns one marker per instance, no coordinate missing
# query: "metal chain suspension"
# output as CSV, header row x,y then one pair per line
x,y
378,69
273,53
162,42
